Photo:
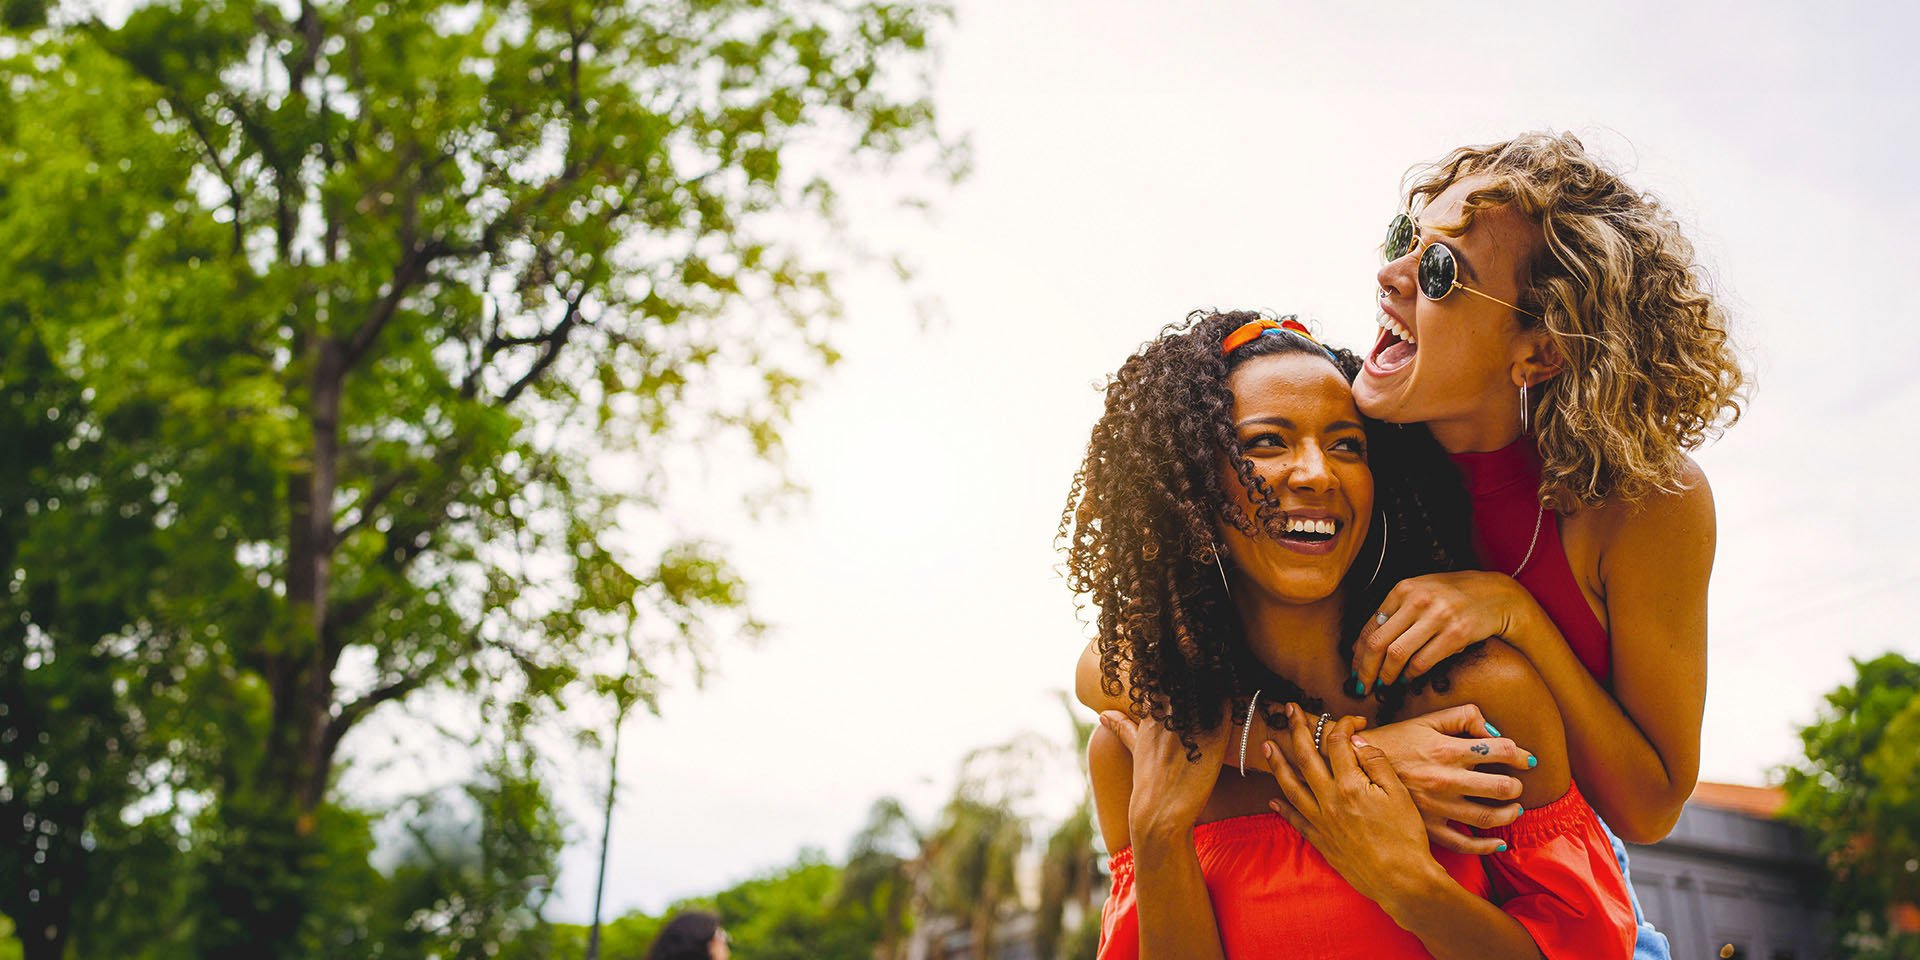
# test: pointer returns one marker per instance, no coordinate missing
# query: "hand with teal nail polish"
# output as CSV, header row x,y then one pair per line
x,y
1457,773
1427,619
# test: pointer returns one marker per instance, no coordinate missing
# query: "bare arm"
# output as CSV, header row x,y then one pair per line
x,y
1431,754
1175,913
1636,750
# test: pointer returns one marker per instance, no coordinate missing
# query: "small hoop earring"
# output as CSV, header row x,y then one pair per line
x,y
1217,565
1377,564
1525,417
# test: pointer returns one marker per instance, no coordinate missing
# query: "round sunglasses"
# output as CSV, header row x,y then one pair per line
x,y
1439,269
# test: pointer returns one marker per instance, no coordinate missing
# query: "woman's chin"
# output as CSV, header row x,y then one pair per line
x,y
1303,588
1375,398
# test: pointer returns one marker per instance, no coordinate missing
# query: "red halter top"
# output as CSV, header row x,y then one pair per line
x,y
1504,486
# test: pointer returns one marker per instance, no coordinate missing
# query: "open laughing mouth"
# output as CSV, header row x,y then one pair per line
x,y
1313,535
1395,348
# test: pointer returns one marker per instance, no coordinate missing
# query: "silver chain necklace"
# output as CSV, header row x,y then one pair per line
x,y
1537,521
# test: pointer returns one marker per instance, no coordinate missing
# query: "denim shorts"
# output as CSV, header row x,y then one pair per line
x,y
1649,944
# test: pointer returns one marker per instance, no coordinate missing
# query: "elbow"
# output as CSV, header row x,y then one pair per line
x,y
1643,831
1648,825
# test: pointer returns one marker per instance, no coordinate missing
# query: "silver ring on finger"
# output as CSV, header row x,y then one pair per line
x,y
1320,728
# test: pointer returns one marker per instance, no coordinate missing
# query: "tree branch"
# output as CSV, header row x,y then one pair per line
x,y
356,711
219,165
555,340
409,271
374,499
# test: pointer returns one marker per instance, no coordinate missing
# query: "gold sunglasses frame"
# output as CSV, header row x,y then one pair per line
x,y
1418,247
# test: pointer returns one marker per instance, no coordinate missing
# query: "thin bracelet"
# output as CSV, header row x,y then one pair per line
x,y
1320,728
1246,732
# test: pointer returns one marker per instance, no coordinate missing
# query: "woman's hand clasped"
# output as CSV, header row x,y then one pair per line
x,y
1425,620
1438,756
1347,801
1169,791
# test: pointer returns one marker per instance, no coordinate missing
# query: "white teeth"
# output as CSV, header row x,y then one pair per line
x,y
1303,525
1399,330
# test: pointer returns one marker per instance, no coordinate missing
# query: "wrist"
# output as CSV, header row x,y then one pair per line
x,y
1156,838
1414,892
1519,614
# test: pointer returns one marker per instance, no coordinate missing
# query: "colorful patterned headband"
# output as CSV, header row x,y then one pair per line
x,y
1248,332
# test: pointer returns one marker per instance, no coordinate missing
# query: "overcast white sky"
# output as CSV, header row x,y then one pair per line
x,y
1136,160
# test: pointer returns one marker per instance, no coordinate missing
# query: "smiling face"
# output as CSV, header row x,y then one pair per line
x,y
1454,362
1296,422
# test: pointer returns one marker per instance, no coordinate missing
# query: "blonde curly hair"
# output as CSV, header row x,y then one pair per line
x,y
1650,370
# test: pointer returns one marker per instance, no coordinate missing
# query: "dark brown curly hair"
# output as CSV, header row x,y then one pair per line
x,y
1139,527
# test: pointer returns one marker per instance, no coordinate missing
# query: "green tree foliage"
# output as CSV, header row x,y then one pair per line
x,y
974,850
473,876
903,880
1858,794
99,677
886,875
790,913
1072,868
326,306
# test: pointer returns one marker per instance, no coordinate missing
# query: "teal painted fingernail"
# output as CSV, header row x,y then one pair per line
x,y
1502,848
1532,762
1492,731
1376,686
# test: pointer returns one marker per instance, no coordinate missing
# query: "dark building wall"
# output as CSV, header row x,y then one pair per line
x,y
1728,878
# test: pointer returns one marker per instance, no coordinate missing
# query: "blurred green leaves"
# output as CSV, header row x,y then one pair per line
x,y
1858,795
321,322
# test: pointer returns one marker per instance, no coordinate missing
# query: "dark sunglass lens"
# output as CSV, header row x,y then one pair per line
x,y
1399,237
1437,271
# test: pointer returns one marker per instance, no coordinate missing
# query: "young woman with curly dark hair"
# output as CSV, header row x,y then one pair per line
x,y
1233,513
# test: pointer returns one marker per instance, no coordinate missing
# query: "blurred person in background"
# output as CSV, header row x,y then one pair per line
x,y
693,935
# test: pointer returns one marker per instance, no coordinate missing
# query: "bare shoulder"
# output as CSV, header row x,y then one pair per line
x,y
1685,510
1514,698
1087,686
1665,540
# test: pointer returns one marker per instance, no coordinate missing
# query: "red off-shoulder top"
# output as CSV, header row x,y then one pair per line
x,y
1275,896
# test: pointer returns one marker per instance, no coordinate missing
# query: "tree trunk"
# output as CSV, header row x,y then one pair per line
x,y
981,939
259,884
606,833
43,931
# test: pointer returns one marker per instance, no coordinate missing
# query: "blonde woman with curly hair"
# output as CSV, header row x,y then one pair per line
x,y
1551,327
